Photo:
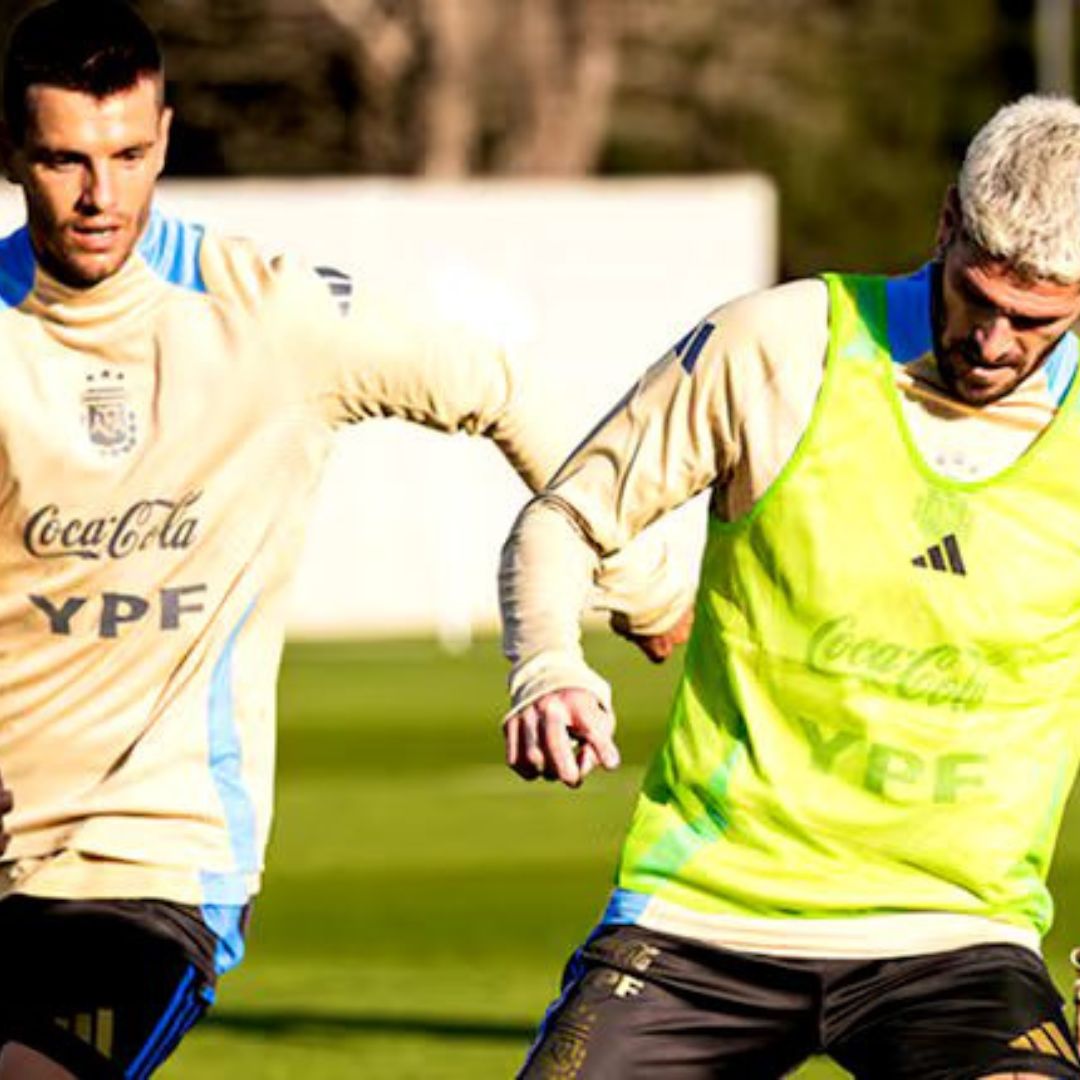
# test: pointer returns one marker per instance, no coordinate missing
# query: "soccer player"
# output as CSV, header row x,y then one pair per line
x,y
167,399
841,846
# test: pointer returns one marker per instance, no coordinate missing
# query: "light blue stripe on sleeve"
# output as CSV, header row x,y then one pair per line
x,y
172,249
908,304
17,268
226,768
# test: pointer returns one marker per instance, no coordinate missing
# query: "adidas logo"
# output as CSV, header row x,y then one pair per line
x,y
943,556
1047,1039
95,1028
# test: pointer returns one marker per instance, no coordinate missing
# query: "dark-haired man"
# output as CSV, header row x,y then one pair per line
x,y
167,399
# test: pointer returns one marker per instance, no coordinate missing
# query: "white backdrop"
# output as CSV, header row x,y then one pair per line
x,y
594,280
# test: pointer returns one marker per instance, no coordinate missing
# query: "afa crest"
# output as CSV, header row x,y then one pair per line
x,y
107,413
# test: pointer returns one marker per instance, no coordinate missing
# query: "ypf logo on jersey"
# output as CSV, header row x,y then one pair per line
x,y
107,413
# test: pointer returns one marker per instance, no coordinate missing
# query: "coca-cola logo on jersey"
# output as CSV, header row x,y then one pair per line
x,y
160,524
940,673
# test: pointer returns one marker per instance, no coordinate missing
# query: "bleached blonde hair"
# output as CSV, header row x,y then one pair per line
x,y
1019,188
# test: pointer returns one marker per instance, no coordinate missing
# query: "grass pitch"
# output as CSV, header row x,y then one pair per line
x,y
420,900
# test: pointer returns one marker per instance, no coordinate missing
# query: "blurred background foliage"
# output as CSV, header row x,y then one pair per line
x,y
857,108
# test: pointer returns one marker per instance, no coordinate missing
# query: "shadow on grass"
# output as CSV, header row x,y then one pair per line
x,y
284,1024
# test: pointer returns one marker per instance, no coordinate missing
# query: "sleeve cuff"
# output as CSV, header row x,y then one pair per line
x,y
543,674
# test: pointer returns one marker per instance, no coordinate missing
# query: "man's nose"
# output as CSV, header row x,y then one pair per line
x,y
98,191
994,339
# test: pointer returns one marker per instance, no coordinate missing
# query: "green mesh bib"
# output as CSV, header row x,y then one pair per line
x,y
878,710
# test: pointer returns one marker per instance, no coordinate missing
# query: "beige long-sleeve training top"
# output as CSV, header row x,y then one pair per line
x,y
161,436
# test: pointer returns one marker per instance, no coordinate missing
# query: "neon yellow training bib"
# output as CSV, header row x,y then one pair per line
x,y
878,712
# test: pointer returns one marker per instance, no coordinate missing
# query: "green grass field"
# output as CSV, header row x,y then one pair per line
x,y
420,899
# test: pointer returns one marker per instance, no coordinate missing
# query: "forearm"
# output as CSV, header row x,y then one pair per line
x,y
387,360
545,581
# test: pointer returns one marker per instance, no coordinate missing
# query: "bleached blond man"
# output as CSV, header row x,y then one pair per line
x,y
842,844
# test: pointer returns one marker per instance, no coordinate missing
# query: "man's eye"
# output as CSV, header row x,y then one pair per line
x,y
1029,322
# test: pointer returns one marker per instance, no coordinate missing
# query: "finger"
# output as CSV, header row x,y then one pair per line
x,y
657,647
595,726
529,760
661,648
560,758
510,740
523,739
532,751
587,759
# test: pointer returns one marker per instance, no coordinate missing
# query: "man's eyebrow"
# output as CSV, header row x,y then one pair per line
x,y
973,292
46,150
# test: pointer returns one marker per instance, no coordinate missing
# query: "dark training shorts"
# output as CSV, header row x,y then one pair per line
x,y
638,1005
106,988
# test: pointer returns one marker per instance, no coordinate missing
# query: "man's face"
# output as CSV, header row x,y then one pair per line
x,y
994,328
87,167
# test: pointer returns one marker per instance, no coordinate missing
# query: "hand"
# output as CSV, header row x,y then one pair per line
x,y
561,736
7,801
657,647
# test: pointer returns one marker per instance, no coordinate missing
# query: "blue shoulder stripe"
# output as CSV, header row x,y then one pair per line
x,y
17,268
1061,367
908,303
172,249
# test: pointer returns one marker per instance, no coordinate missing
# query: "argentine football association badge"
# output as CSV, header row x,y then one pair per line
x,y
107,413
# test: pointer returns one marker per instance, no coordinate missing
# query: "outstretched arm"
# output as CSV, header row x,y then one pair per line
x,y
383,360
658,448
724,409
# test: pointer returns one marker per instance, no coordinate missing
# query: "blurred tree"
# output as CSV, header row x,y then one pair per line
x,y
559,84
856,107
450,87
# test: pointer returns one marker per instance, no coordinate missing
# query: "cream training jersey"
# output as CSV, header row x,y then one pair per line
x,y
161,436
729,407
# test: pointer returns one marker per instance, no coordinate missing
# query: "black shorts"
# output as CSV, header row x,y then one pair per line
x,y
637,1004
106,988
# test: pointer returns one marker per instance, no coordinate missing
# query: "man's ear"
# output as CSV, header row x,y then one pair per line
x,y
950,222
164,127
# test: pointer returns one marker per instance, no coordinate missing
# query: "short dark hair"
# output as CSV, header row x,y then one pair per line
x,y
99,47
